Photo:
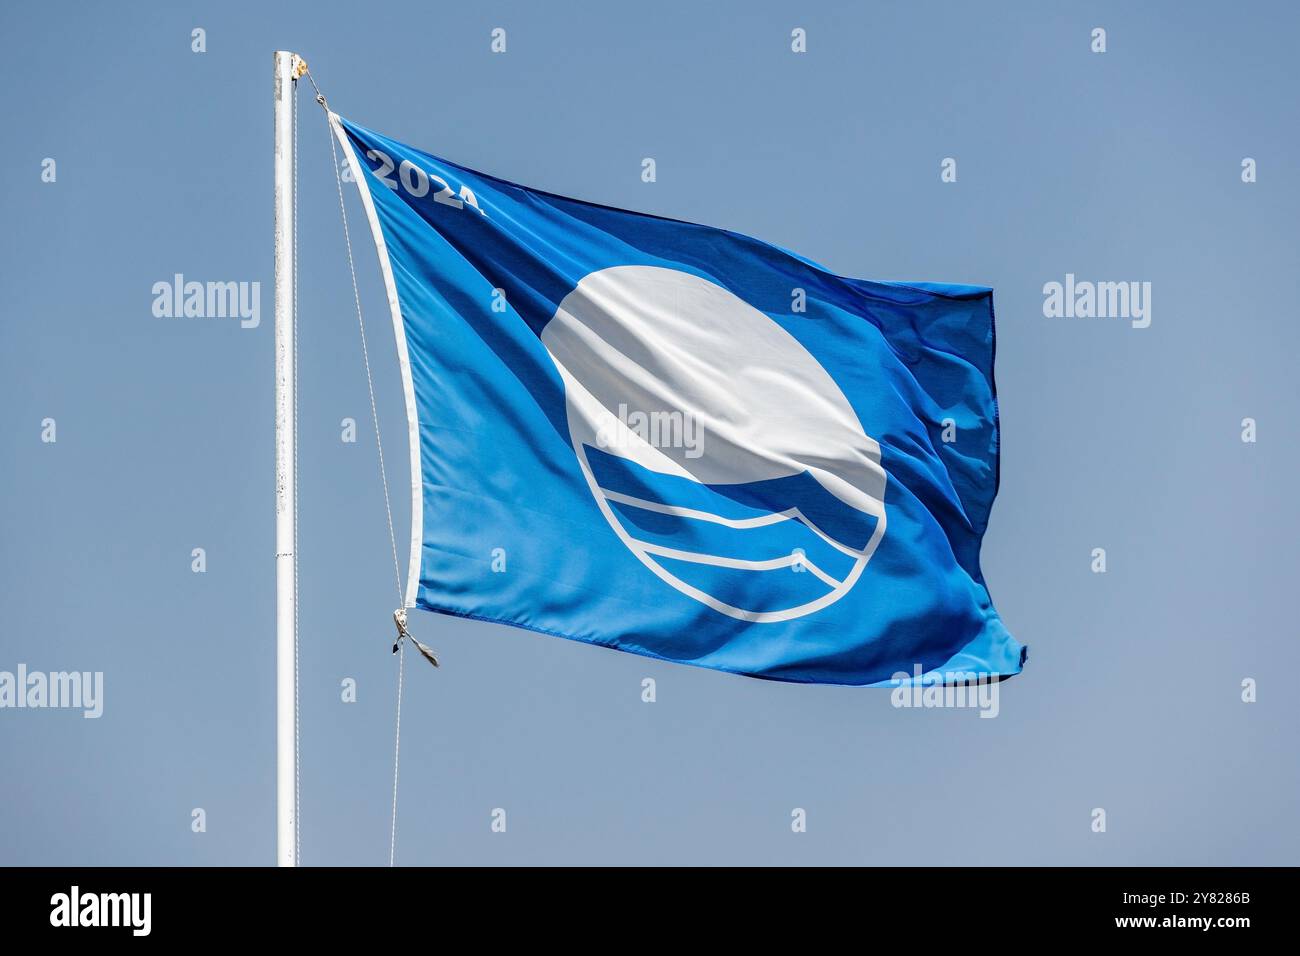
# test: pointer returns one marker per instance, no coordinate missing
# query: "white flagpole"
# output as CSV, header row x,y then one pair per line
x,y
286,68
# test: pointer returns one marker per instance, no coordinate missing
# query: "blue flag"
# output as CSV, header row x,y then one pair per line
x,y
682,442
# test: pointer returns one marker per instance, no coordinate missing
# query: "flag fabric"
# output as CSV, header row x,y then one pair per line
x,y
682,442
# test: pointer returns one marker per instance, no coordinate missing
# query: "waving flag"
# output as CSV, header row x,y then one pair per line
x,y
682,442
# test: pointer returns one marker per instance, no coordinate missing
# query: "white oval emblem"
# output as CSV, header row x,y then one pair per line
x,y
720,451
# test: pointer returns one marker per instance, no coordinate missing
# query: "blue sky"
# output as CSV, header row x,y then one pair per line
x,y
1122,166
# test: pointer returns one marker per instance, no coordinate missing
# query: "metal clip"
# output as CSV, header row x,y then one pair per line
x,y
399,618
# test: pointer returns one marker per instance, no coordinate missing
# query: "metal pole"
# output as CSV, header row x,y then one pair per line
x,y
285,513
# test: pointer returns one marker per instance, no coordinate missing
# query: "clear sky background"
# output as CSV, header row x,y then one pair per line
x,y
1122,166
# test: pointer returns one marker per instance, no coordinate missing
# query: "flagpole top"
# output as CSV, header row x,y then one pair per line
x,y
297,65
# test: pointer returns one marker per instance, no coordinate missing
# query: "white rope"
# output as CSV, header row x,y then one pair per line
x,y
365,355
297,777
397,751
383,474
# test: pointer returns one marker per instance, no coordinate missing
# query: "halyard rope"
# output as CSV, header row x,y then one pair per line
x,y
383,474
